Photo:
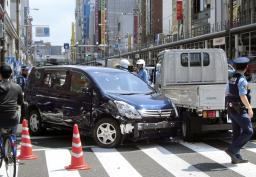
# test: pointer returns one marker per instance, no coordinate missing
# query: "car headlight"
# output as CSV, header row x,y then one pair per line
x,y
175,110
127,110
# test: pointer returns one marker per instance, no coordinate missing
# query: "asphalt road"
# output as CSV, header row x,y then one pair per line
x,y
157,158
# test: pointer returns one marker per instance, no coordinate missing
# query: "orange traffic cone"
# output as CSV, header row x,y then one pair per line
x,y
26,147
77,159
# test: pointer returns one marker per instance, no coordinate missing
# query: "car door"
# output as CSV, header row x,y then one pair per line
x,y
77,108
51,100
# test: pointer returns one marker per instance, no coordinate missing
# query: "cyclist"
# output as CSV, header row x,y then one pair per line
x,y
10,97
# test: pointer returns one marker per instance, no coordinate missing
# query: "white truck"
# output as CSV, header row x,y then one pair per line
x,y
195,80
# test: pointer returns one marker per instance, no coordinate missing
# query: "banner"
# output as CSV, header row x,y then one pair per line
x,y
103,23
42,31
96,21
179,10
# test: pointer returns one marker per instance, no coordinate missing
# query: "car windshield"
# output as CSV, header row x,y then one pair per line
x,y
121,83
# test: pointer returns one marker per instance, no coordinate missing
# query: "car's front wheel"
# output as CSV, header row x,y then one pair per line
x,y
107,133
35,123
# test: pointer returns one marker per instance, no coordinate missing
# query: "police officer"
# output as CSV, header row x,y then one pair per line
x,y
239,110
124,64
142,72
22,78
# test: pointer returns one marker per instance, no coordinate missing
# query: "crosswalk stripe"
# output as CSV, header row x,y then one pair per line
x,y
2,170
245,169
114,163
56,161
171,162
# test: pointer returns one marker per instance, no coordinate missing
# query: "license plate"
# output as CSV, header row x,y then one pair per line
x,y
228,119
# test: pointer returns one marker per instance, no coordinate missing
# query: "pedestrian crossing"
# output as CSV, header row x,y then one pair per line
x,y
168,159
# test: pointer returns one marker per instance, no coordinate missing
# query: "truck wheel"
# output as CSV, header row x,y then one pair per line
x,y
35,123
186,127
107,133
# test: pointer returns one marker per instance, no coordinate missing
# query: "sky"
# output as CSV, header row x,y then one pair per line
x,y
58,15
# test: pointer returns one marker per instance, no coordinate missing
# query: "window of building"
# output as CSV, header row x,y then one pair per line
x,y
78,82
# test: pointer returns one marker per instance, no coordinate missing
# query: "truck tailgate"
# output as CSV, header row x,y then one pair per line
x,y
203,97
212,96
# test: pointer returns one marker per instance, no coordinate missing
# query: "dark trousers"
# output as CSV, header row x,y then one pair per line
x,y
242,130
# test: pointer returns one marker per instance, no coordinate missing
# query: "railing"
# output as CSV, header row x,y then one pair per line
x,y
248,17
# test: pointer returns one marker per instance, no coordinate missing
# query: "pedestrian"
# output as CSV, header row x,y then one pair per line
x,y
22,78
142,72
10,97
239,110
124,64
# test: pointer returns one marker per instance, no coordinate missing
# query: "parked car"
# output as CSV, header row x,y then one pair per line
x,y
107,104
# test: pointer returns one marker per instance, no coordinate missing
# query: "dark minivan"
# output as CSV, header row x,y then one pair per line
x,y
107,104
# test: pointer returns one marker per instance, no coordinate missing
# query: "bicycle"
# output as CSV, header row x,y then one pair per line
x,y
8,151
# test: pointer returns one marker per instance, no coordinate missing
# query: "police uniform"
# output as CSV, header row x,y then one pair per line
x,y
241,123
22,80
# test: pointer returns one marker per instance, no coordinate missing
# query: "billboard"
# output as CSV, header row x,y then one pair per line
x,y
42,31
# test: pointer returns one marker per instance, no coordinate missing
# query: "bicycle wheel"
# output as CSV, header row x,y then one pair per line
x,y
10,158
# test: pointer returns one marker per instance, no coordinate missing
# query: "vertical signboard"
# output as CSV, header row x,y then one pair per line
x,y
86,19
135,28
103,25
179,10
96,21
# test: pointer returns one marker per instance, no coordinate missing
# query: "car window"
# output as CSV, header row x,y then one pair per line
x,y
78,82
55,79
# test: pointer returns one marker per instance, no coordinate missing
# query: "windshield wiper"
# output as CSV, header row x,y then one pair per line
x,y
128,93
150,93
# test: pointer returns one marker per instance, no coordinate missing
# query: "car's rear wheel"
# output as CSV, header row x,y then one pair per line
x,y
35,123
107,133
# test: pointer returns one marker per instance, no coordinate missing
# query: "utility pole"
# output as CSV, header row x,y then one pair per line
x,y
18,28
230,26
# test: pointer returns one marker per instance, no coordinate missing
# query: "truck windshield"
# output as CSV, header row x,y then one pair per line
x,y
121,83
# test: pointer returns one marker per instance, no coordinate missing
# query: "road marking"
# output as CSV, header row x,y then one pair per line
x,y
171,162
56,161
219,156
43,137
114,163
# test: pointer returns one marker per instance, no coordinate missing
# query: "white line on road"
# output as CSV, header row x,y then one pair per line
x,y
171,162
219,156
56,161
114,163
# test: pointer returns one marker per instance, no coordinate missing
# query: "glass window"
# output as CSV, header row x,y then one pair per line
x,y
206,60
195,59
120,83
55,79
184,59
78,82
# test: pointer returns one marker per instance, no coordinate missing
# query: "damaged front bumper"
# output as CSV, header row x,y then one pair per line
x,y
138,128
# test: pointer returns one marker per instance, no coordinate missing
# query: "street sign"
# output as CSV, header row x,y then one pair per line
x,y
42,31
66,46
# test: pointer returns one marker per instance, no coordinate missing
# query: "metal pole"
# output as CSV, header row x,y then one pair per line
x,y
229,27
18,29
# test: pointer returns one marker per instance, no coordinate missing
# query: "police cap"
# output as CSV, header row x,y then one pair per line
x,y
241,60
